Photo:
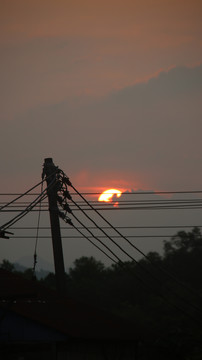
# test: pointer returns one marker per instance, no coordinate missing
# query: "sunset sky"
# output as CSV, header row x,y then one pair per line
x,y
112,90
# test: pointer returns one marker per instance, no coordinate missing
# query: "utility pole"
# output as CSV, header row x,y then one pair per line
x,y
50,170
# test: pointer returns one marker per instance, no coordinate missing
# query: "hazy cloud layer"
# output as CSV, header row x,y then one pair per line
x,y
111,90
52,51
148,134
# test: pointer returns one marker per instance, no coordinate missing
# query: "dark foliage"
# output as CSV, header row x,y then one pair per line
x,y
162,294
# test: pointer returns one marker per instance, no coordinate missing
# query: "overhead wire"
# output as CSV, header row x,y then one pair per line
x,y
118,227
66,181
95,237
125,238
104,232
78,206
161,204
100,202
23,194
118,209
141,252
119,262
35,202
171,207
147,192
108,235
124,193
99,236
29,208
22,214
137,263
140,279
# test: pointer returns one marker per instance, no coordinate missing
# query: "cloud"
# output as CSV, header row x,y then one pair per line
x,y
55,50
146,136
55,55
166,85
149,133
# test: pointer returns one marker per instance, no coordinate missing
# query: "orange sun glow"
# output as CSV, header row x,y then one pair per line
x,y
108,194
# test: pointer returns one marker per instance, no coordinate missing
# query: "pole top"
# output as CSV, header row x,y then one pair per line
x,y
48,161
48,167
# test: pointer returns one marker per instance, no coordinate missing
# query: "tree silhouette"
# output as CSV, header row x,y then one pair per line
x,y
144,293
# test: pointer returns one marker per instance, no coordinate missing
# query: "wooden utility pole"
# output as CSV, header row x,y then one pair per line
x,y
50,171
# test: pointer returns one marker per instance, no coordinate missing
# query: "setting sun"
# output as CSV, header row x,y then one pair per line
x,y
108,194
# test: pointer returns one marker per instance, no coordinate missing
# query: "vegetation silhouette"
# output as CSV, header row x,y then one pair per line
x,y
167,301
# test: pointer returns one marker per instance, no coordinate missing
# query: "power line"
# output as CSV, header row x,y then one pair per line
x,y
135,247
122,202
124,193
125,202
23,213
117,231
99,236
25,193
106,235
29,208
64,182
145,192
108,227
121,263
40,198
106,208
141,204
95,237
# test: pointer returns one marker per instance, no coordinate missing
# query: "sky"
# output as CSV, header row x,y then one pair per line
x,y
110,90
